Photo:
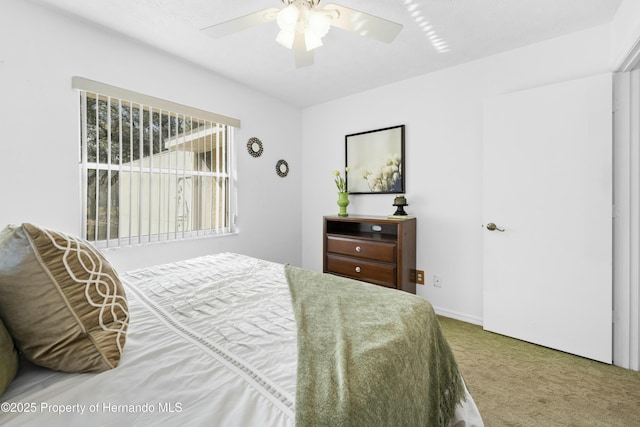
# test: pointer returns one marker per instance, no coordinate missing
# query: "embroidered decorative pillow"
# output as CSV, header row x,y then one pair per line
x,y
61,300
8,359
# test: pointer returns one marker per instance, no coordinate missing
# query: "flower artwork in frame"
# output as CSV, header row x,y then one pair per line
x,y
376,161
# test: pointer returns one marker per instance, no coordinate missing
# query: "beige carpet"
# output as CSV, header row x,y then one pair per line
x,y
515,383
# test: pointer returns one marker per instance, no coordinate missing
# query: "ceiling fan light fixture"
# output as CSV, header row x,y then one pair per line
x,y
288,17
287,20
311,40
318,23
286,37
315,25
303,25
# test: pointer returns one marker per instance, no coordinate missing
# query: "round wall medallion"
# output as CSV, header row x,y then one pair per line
x,y
254,147
282,168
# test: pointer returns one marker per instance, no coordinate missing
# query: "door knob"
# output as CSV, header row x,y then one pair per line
x,y
491,227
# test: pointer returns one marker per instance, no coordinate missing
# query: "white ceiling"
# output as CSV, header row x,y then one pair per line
x,y
347,63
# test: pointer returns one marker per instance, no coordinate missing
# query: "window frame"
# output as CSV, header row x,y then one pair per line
x,y
221,127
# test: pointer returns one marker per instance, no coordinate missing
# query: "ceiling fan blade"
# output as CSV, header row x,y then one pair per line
x,y
364,24
242,23
303,57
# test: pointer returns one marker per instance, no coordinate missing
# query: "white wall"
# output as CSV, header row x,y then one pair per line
x,y
40,50
442,112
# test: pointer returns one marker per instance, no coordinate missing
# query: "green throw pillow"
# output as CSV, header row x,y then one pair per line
x,y
8,359
61,300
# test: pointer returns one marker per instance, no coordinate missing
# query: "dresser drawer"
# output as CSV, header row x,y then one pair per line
x,y
379,251
379,273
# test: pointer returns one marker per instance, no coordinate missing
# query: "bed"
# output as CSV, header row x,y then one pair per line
x,y
216,341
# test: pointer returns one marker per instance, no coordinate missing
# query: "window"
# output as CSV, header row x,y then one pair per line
x,y
152,170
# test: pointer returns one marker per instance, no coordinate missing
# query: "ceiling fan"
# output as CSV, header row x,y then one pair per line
x,y
302,25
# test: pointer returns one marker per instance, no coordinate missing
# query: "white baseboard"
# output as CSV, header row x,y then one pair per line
x,y
458,316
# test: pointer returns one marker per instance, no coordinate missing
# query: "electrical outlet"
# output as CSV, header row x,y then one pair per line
x,y
437,281
420,277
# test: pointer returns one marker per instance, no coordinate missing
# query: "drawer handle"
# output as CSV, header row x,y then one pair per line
x,y
357,269
358,249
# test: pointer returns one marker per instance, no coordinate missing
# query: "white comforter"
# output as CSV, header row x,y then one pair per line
x,y
212,342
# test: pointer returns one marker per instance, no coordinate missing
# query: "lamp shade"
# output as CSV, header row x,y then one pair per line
x,y
286,37
311,40
288,17
318,23
295,17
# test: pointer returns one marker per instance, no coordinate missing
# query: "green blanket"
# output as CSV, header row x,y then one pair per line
x,y
369,356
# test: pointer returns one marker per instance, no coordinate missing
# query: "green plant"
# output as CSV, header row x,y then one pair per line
x,y
340,182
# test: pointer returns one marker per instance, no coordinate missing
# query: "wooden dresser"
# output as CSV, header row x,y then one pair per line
x,y
372,249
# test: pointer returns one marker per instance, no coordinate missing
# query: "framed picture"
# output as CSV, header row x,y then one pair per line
x,y
376,161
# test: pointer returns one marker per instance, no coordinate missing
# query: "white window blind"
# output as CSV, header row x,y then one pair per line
x,y
152,170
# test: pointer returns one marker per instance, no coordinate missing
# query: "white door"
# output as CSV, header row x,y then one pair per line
x,y
548,185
